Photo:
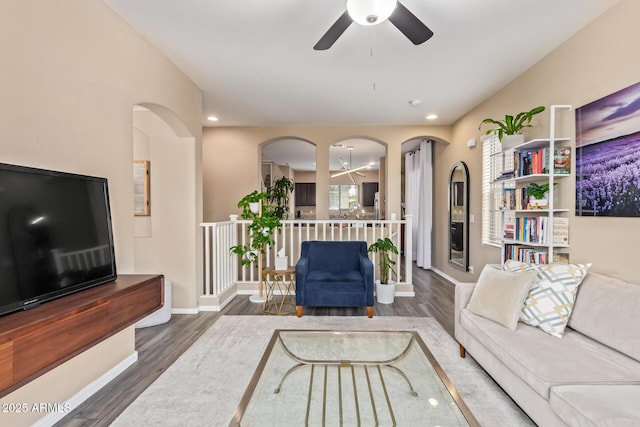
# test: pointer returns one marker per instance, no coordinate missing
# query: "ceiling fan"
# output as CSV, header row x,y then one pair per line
x,y
373,12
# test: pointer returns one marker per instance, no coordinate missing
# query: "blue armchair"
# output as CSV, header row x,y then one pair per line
x,y
334,274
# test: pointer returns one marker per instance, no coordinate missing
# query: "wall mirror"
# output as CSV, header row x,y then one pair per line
x,y
459,216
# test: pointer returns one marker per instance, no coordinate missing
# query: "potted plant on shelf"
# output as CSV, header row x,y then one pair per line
x,y
538,195
509,127
385,287
279,195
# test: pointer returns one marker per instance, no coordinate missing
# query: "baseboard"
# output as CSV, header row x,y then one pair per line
x,y
185,311
89,390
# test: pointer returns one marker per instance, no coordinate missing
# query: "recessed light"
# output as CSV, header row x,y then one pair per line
x,y
432,116
212,118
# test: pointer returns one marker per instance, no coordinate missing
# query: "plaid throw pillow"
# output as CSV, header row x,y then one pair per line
x,y
551,298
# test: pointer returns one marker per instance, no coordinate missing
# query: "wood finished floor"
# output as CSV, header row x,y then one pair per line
x,y
159,346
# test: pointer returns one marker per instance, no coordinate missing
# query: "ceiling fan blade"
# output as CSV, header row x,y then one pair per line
x,y
336,30
410,25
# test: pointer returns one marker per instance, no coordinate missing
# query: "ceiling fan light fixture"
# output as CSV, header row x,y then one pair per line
x,y
370,12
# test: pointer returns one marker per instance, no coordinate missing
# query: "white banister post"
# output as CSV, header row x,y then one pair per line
x,y
207,260
408,249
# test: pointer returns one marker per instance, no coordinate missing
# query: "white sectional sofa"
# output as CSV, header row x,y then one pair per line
x,y
589,377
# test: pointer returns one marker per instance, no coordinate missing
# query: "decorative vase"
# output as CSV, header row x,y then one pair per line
x,y
511,141
385,294
255,207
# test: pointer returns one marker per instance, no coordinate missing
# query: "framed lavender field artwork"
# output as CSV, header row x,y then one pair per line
x,y
608,155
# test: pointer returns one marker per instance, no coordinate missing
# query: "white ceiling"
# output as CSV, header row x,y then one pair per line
x,y
255,63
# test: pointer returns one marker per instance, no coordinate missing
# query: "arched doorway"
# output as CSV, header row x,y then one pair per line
x,y
294,158
165,240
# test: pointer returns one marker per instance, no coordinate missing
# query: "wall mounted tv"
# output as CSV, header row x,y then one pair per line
x,y
56,236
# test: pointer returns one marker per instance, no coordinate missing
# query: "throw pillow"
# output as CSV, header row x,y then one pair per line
x,y
499,295
551,298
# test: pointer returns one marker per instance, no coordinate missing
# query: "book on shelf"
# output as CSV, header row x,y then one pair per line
x,y
562,161
509,198
509,231
561,230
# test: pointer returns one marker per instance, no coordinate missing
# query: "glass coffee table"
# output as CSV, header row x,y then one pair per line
x,y
350,378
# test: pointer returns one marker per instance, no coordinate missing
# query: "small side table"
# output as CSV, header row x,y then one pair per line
x,y
283,282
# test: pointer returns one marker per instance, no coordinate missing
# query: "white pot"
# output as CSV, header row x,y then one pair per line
x,y
254,206
535,203
510,141
385,293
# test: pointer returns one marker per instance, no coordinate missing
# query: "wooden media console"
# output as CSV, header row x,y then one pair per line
x,y
37,340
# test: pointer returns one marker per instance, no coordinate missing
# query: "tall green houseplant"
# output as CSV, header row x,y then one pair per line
x,y
384,247
279,196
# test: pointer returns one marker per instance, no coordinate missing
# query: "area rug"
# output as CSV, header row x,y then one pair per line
x,y
204,386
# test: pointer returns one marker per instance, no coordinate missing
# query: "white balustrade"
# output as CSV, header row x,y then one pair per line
x,y
223,269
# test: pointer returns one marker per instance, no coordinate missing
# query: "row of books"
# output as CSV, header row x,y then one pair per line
x,y
534,229
532,255
536,161
514,198
525,254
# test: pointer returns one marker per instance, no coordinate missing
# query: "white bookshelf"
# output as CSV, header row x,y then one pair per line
x,y
533,229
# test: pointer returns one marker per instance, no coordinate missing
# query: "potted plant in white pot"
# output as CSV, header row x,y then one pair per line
x,y
385,287
538,195
509,129
263,223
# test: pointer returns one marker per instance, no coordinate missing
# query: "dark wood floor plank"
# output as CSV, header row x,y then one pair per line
x,y
159,346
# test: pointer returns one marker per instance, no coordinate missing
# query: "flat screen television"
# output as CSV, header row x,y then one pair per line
x,y
56,236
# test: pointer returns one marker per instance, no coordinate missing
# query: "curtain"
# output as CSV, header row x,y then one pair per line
x,y
418,201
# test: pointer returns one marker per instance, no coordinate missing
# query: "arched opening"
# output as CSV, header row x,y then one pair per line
x,y
164,240
294,158
357,178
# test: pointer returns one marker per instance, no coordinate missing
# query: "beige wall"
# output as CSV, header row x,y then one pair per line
x,y
71,73
170,225
597,61
233,154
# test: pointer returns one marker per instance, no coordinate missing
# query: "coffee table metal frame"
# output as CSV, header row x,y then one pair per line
x,y
387,363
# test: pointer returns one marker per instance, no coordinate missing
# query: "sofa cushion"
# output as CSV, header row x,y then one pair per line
x,y
542,361
551,298
498,295
597,405
606,309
